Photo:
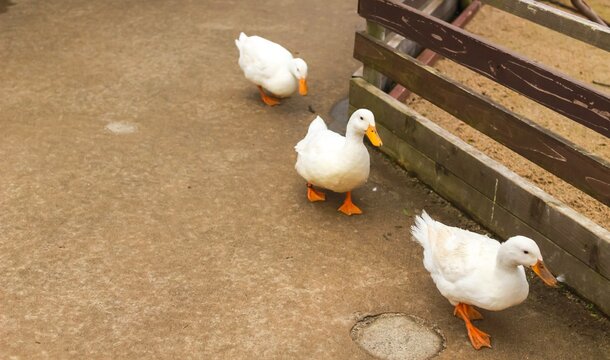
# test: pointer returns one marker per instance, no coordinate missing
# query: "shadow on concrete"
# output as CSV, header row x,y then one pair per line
x,y
4,5
339,115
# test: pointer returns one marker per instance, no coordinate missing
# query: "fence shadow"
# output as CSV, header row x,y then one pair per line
x,y
4,5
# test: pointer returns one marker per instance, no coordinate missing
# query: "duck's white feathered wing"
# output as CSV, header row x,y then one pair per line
x,y
260,58
454,257
316,127
316,160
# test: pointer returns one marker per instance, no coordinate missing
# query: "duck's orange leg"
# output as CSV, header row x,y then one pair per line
x,y
478,339
348,207
271,101
471,312
313,195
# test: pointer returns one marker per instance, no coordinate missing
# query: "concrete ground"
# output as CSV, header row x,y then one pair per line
x,y
189,235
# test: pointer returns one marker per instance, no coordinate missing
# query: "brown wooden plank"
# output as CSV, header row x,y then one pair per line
x,y
429,57
570,97
369,73
430,167
579,236
581,278
416,3
437,8
553,153
558,20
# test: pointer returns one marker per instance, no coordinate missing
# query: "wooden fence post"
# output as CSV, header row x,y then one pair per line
x,y
495,196
374,77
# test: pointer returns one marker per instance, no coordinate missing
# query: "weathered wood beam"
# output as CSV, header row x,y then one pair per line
x,y
552,152
532,205
496,197
369,74
571,98
429,57
558,20
432,7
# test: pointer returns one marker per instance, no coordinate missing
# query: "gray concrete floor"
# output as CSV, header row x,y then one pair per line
x,y
192,237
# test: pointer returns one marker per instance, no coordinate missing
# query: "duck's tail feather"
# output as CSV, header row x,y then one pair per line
x,y
420,229
240,40
315,127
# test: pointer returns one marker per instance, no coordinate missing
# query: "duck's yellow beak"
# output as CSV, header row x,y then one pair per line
x,y
302,86
371,133
544,274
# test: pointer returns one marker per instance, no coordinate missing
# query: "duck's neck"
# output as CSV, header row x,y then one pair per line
x,y
353,137
504,262
512,286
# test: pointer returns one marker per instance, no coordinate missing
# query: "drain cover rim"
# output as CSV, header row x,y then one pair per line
x,y
363,323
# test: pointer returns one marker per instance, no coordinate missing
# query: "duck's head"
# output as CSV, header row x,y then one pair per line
x,y
521,250
298,69
362,122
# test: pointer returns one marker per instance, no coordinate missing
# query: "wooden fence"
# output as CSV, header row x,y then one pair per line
x,y
492,194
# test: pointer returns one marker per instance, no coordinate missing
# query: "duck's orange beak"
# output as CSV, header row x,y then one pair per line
x,y
544,273
371,133
303,86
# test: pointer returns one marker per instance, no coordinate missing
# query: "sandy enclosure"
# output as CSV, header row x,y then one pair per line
x,y
572,57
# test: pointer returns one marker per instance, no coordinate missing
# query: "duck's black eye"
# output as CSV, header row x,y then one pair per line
x,y
526,252
361,118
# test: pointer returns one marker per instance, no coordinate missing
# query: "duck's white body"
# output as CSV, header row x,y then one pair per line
x,y
267,64
466,268
331,161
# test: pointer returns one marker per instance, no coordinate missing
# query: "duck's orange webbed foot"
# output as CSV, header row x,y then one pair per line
x,y
271,101
348,207
313,195
478,338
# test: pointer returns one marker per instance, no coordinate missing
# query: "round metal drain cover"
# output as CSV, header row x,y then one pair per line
x,y
398,336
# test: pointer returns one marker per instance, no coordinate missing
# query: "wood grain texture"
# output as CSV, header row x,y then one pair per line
x,y
571,98
404,131
581,278
368,73
429,57
558,20
574,233
552,152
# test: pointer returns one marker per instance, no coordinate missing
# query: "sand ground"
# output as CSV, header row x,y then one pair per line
x,y
579,60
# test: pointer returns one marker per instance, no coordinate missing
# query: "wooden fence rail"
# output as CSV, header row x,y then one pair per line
x,y
428,56
492,194
553,153
555,19
571,98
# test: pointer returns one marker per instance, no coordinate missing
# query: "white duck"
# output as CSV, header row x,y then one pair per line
x,y
272,67
471,269
334,162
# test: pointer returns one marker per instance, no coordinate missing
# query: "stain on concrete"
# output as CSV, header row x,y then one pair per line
x,y
121,127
